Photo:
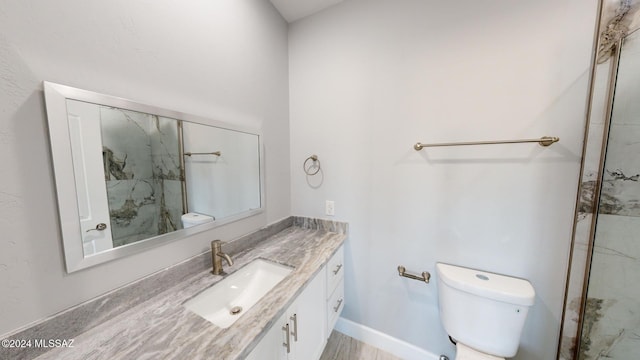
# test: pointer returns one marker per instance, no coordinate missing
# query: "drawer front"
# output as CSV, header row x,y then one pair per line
x,y
335,270
335,304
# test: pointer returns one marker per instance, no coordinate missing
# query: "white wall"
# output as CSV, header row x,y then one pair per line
x,y
368,79
223,59
225,185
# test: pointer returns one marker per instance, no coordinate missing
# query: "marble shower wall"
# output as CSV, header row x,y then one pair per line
x,y
611,327
584,213
620,193
621,181
619,18
165,157
142,174
612,320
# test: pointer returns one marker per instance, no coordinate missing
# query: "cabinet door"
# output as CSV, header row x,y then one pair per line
x,y
271,346
309,320
300,334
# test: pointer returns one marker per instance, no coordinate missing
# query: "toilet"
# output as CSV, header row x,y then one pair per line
x,y
483,312
193,219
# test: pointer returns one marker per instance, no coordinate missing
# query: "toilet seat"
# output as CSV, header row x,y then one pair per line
x,y
463,352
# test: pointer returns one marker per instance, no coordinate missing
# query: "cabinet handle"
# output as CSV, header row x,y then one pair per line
x,y
294,318
287,344
335,272
335,308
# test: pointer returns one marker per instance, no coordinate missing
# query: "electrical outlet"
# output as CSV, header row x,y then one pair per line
x,y
330,208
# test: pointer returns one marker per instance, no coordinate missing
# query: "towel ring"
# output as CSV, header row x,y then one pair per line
x,y
315,160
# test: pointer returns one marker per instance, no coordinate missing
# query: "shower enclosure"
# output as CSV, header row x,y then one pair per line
x,y
610,308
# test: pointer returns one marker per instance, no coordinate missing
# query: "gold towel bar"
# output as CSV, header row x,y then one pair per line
x,y
425,275
544,141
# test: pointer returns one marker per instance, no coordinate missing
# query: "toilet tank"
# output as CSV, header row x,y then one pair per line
x,y
193,219
483,310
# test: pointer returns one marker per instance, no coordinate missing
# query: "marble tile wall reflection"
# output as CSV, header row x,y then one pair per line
x,y
142,174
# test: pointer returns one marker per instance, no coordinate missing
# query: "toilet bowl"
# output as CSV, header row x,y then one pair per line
x,y
483,312
193,219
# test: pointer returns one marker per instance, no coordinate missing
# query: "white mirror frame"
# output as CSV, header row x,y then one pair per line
x,y
56,96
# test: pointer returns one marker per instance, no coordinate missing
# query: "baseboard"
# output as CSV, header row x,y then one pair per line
x,y
383,341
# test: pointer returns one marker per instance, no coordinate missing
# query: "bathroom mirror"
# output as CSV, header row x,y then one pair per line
x,y
131,176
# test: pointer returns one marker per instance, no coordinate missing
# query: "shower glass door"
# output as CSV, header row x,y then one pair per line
x,y
611,326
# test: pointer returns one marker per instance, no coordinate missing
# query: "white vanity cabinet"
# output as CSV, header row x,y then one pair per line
x,y
302,332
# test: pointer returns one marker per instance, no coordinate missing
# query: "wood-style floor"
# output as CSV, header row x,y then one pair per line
x,y
343,347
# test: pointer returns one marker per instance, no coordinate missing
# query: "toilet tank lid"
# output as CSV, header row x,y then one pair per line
x,y
485,284
196,218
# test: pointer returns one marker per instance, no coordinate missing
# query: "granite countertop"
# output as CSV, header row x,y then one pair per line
x,y
162,328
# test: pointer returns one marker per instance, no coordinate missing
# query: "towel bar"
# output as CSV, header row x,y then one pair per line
x,y
543,141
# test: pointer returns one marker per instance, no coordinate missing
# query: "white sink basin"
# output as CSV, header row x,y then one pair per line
x,y
226,301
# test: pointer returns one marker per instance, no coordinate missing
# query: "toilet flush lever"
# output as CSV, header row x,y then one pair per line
x,y
403,272
99,227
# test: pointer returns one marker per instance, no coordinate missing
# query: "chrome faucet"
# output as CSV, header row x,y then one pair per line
x,y
216,257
